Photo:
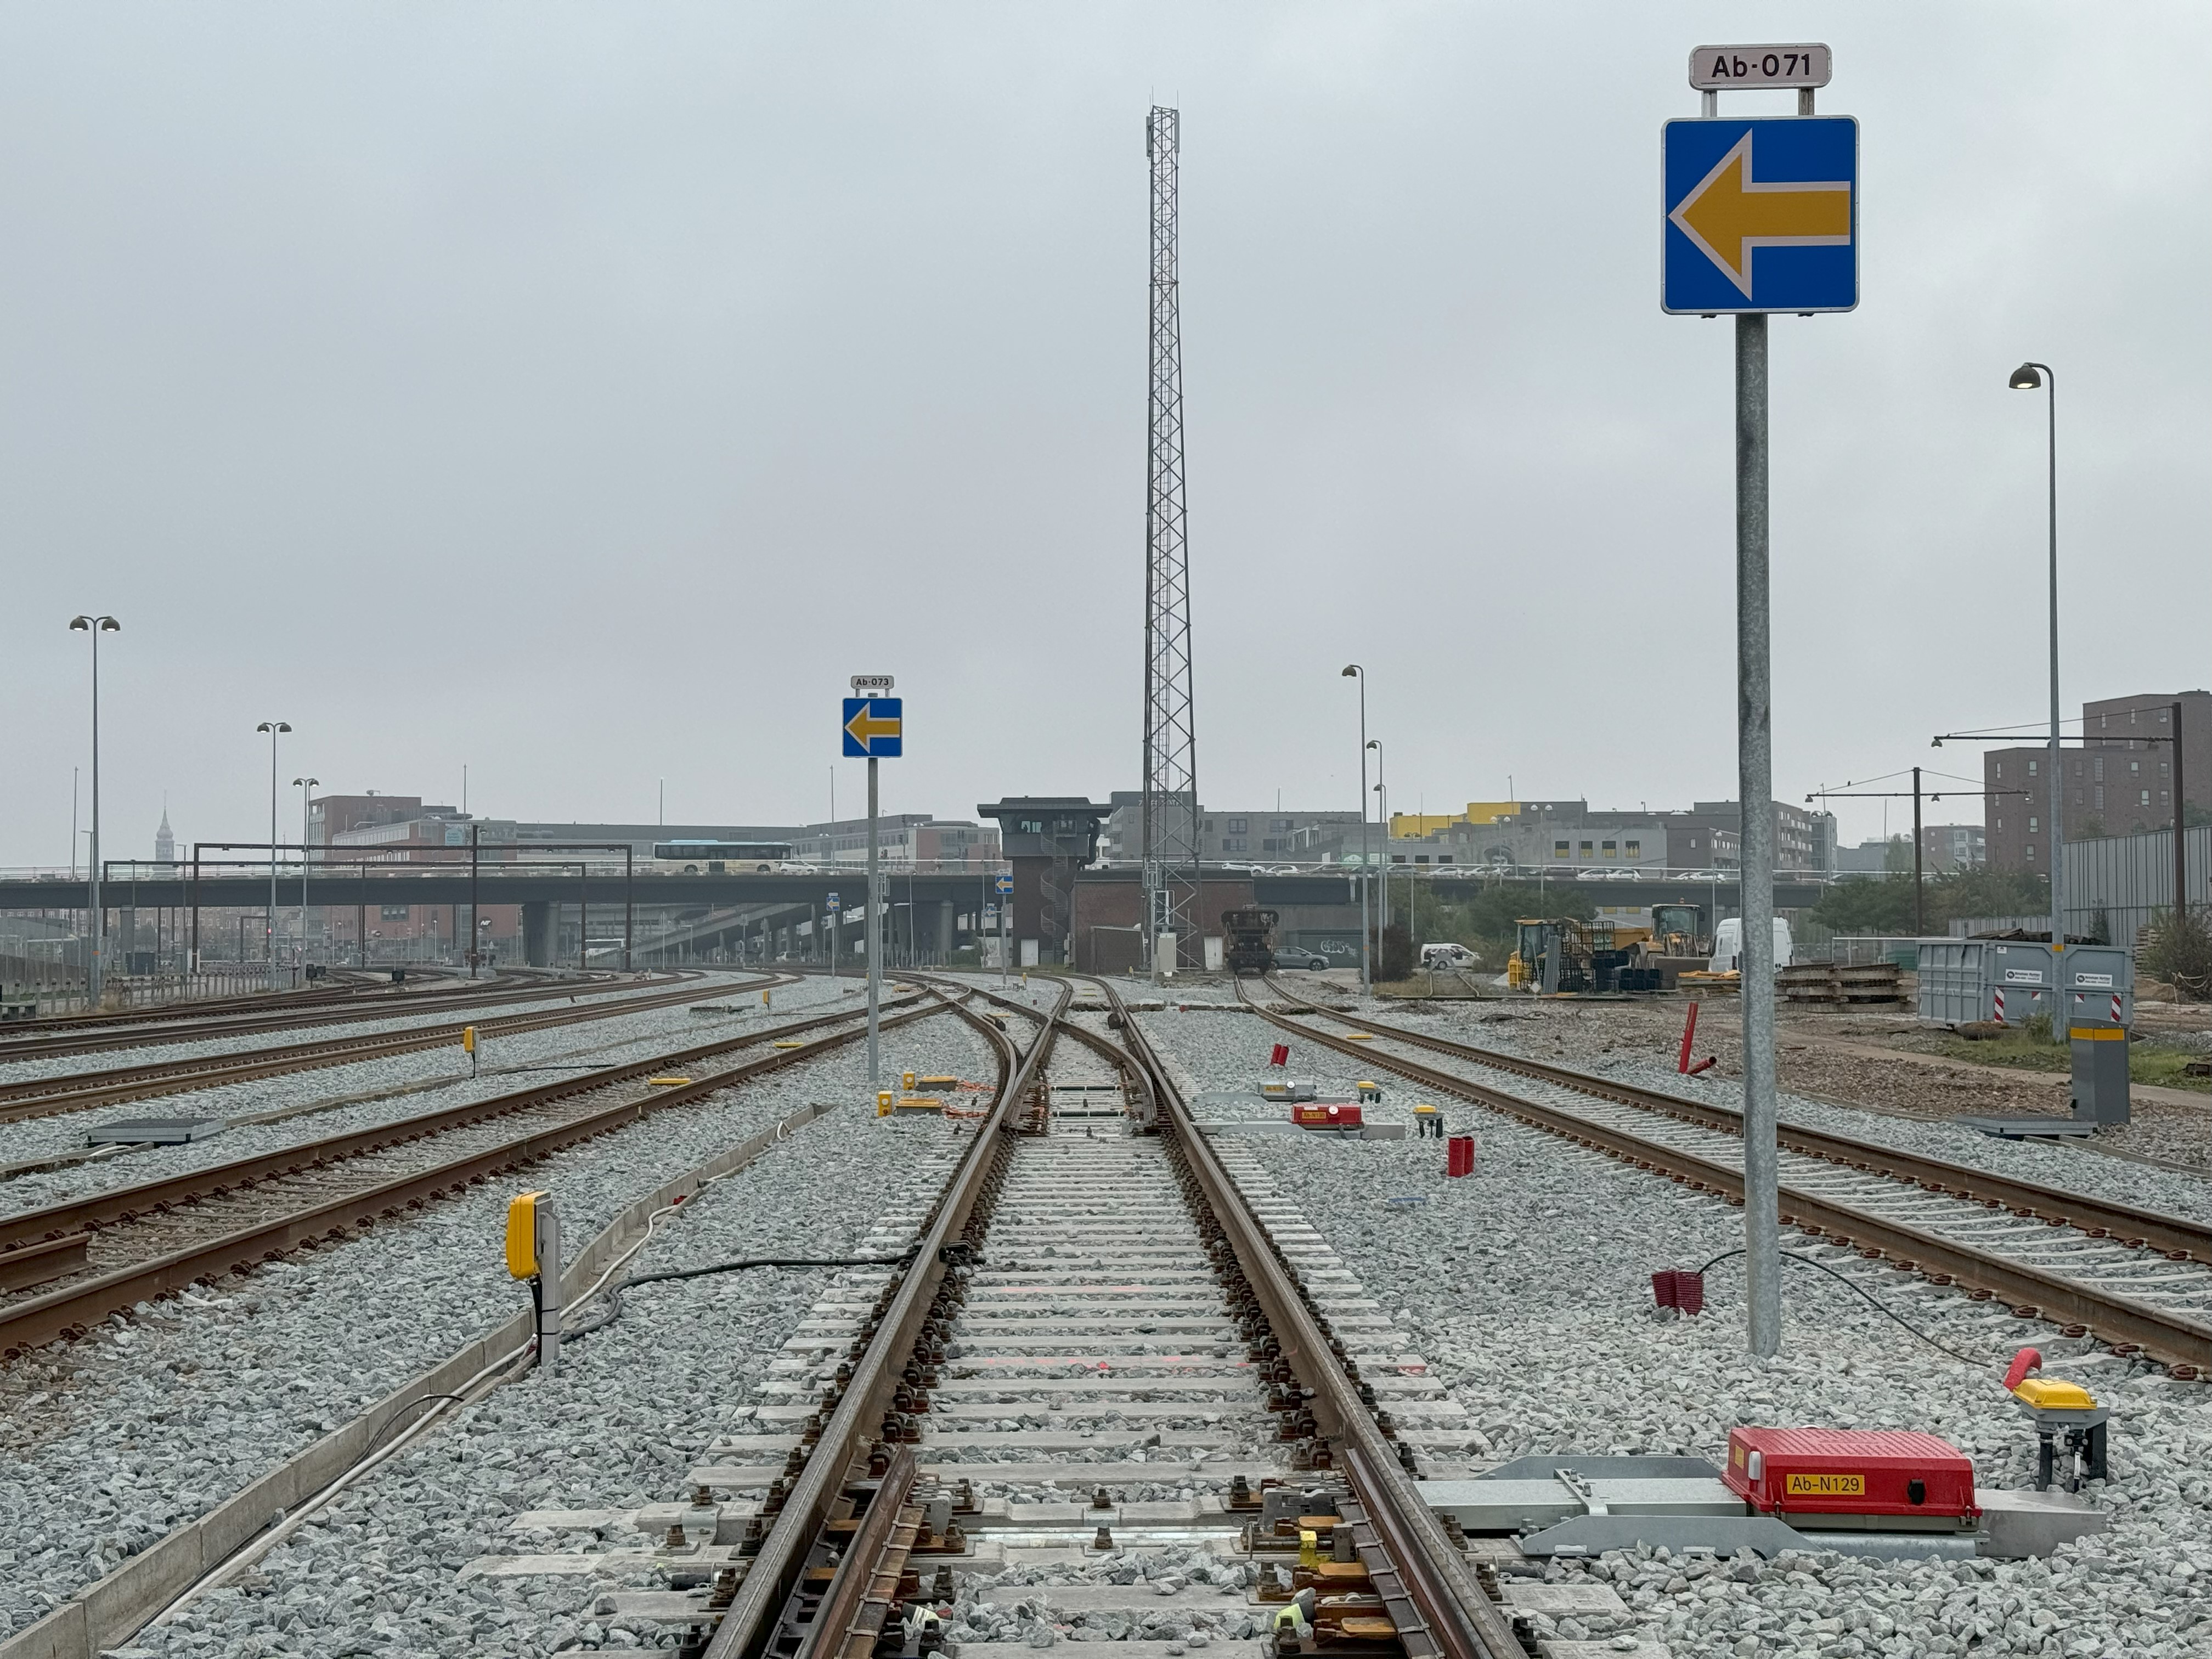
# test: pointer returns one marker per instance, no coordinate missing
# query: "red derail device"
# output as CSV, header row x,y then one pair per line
x,y
1326,1114
1885,1474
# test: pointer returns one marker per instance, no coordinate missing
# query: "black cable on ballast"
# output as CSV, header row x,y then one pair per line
x,y
1845,1280
613,1293
377,1438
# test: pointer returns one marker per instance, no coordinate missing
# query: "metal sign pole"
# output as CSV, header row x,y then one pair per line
x,y
1733,193
875,937
1762,1232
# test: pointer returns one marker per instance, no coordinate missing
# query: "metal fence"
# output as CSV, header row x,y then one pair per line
x,y
1859,950
44,996
1975,927
2123,881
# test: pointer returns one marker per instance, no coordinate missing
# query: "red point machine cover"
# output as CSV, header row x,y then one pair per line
x,y
1327,1115
1874,1472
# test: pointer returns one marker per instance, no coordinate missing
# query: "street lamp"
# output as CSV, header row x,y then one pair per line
x,y
1382,878
307,787
96,971
2029,377
272,727
1354,672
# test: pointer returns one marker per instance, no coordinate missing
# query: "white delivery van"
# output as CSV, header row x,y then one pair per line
x,y
1441,957
1728,945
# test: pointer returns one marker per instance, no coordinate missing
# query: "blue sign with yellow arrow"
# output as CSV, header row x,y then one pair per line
x,y
874,726
1760,215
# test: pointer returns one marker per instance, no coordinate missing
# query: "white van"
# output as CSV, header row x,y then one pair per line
x,y
1442,957
1728,945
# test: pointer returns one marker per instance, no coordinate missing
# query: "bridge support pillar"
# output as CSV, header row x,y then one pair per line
x,y
943,930
537,934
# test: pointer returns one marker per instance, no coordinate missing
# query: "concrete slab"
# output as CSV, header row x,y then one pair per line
x,y
943,1442
1137,1599
1113,1411
1561,1601
1216,1471
1187,1380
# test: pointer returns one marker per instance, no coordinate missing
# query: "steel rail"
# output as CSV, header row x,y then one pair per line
x,y
1440,1607
26,1324
2182,1343
33,1098
1104,1047
2177,1238
857,1421
256,1022
158,1196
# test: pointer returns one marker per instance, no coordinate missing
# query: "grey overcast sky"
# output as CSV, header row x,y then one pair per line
x,y
581,392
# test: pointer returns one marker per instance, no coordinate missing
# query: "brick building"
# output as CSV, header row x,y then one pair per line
x,y
2116,780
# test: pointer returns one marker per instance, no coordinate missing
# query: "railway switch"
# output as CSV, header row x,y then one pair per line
x,y
1326,1114
533,1254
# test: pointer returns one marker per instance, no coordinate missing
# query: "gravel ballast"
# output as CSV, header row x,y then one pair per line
x,y
151,1421
1527,1285
60,1066
429,1076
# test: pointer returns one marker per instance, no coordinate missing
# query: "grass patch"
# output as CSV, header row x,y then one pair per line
x,y
2148,1063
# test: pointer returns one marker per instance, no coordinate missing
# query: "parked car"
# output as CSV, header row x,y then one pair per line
x,y
1447,956
1297,955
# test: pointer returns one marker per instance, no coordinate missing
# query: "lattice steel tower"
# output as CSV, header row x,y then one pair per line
x,y
1170,808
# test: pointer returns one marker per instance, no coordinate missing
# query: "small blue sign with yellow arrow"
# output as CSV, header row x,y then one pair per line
x,y
1760,215
873,727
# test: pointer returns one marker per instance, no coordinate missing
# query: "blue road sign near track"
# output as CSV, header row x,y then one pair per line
x,y
1760,215
874,727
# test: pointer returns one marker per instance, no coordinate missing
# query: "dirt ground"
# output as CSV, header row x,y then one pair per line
x,y
1881,1061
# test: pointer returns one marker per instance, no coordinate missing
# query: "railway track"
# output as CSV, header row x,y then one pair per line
x,y
1114,1294
86,1258
1153,1316
49,1097
2136,1278
382,1003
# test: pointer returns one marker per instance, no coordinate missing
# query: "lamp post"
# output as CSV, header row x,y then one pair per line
x,y
2028,377
95,973
1354,672
272,727
1382,878
1382,897
307,787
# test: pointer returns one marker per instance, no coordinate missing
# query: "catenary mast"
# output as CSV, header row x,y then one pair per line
x,y
1170,775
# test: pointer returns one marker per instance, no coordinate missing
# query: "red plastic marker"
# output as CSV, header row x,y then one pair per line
x,y
1689,1033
